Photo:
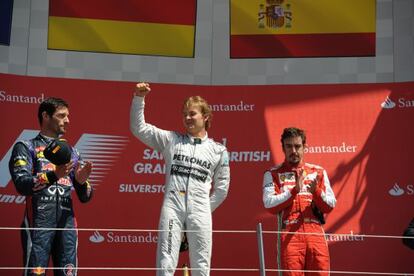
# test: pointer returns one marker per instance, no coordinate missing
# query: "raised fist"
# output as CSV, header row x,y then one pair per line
x,y
142,89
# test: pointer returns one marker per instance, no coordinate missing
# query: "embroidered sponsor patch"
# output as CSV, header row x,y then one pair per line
x,y
226,159
198,174
268,185
286,177
69,270
42,178
38,270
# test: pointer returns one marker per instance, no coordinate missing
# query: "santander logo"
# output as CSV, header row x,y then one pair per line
x,y
96,237
388,103
396,190
400,103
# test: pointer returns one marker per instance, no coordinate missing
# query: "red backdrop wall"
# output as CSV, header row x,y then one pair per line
x,y
360,133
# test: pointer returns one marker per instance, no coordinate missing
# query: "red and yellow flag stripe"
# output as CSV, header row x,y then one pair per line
x,y
302,28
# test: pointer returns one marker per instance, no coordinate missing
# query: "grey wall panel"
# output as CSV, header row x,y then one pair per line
x,y
394,60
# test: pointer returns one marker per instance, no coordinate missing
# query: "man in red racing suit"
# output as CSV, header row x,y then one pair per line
x,y
299,193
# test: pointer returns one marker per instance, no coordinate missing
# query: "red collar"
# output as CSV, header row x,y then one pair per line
x,y
291,167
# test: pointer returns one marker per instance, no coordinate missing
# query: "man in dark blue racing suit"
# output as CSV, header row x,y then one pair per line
x,y
47,188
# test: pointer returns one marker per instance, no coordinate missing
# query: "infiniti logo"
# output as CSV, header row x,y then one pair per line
x,y
52,190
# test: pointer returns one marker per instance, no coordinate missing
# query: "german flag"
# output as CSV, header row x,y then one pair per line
x,y
155,27
302,28
6,12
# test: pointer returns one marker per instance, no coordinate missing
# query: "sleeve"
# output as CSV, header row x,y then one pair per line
x,y
324,197
21,168
148,134
84,191
221,180
274,198
408,235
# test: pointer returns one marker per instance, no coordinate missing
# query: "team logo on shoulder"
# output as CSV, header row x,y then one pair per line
x,y
20,163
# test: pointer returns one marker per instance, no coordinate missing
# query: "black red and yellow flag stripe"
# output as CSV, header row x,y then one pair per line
x,y
155,27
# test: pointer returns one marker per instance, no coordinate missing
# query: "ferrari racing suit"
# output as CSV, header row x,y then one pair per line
x,y
192,164
48,205
296,214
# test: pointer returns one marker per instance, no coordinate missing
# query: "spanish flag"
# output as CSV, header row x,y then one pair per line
x,y
145,27
302,28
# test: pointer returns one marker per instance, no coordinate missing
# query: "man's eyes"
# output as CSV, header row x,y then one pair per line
x,y
294,146
191,114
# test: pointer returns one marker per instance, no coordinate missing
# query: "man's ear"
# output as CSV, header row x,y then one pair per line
x,y
45,115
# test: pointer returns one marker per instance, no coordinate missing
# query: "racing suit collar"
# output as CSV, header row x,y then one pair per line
x,y
197,140
293,166
45,138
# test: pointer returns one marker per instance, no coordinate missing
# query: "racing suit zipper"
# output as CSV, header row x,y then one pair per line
x,y
187,192
57,203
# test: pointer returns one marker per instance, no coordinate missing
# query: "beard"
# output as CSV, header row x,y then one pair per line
x,y
294,159
60,130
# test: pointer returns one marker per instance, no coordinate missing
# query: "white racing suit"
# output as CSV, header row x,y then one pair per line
x,y
192,165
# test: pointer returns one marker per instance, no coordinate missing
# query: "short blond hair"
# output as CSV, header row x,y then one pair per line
x,y
203,105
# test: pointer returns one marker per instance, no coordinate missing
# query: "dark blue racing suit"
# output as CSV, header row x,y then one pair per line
x,y
48,205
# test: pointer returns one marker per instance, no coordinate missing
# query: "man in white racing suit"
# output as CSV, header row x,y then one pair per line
x,y
193,163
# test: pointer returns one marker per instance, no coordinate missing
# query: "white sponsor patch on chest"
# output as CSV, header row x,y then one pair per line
x,y
286,177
